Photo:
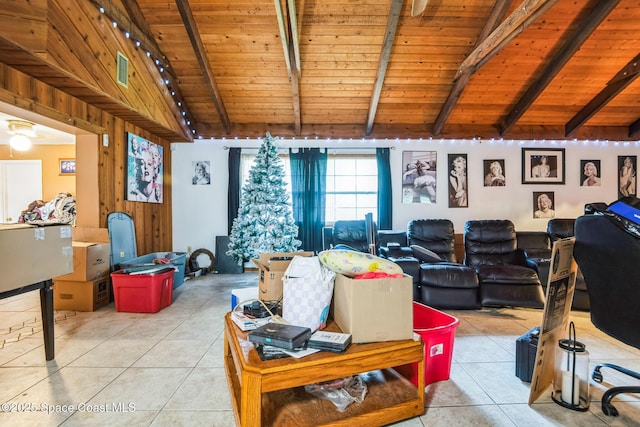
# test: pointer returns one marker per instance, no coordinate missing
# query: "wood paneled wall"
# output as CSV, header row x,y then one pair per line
x,y
152,221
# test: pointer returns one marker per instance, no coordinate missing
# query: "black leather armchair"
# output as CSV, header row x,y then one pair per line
x,y
608,257
351,233
443,283
537,248
393,244
506,276
560,228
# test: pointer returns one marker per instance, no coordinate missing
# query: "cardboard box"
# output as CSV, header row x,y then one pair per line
x,y
90,261
91,251
374,309
73,295
271,268
30,254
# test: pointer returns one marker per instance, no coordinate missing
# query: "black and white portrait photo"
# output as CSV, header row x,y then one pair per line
x,y
419,176
494,173
458,197
201,174
590,173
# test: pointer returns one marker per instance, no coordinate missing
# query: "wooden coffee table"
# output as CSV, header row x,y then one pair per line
x,y
271,393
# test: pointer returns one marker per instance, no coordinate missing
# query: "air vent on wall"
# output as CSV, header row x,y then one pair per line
x,y
122,70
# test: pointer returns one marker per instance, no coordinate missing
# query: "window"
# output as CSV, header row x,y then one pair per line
x,y
352,184
246,163
352,187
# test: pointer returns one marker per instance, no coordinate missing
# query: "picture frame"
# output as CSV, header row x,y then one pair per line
x,y
144,170
66,167
419,176
494,173
590,173
458,184
543,166
201,172
544,204
627,176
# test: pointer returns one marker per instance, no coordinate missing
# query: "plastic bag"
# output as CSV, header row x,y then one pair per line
x,y
341,392
307,292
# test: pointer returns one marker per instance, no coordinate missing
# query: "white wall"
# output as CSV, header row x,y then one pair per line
x,y
200,211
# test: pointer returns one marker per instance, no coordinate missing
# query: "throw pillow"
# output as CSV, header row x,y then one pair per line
x,y
425,255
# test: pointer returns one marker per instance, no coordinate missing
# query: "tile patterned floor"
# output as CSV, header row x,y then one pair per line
x,y
166,369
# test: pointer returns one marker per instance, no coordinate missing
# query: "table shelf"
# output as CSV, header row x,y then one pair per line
x,y
274,395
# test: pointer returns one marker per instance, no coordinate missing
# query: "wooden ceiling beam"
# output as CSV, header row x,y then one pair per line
x,y
295,92
294,58
201,54
387,44
634,130
526,14
289,34
498,12
622,79
601,10
294,34
284,33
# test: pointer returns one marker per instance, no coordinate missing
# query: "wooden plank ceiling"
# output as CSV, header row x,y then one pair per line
x,y
521,69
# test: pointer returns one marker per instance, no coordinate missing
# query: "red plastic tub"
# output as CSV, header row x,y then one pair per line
x,y
438,331
142,293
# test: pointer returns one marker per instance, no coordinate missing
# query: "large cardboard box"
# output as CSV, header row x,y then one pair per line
x,y
31,254
374,309
271,268
91,252
90,261
73,295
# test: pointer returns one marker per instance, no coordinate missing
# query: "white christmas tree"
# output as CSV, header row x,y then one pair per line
x,y
265,220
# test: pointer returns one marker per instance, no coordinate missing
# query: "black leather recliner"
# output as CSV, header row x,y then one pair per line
x,y
537,248
608,256
559,228
444,283
351,233
506,276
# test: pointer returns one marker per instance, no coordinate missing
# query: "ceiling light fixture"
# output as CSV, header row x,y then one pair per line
x,y
21,131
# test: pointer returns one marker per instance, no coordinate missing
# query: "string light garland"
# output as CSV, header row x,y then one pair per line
x,y
160,63
442,141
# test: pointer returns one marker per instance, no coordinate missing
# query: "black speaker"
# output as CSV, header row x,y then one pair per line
x,y
224,263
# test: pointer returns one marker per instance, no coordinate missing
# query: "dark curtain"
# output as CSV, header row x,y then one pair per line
x,y
308,188
233,195
385,193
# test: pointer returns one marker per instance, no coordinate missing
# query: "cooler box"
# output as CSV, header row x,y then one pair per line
x,y
143,293
178,259
438,331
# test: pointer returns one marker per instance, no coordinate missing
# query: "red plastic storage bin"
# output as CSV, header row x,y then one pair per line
x,y
438,331
142,293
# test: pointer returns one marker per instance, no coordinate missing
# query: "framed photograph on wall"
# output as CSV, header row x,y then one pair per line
x,y
458,197
590,173
201,174
419,176
494,173
67,167
543,166
144,170
627,176
543,204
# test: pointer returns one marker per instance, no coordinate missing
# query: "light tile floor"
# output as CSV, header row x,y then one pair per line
x,y
166,369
